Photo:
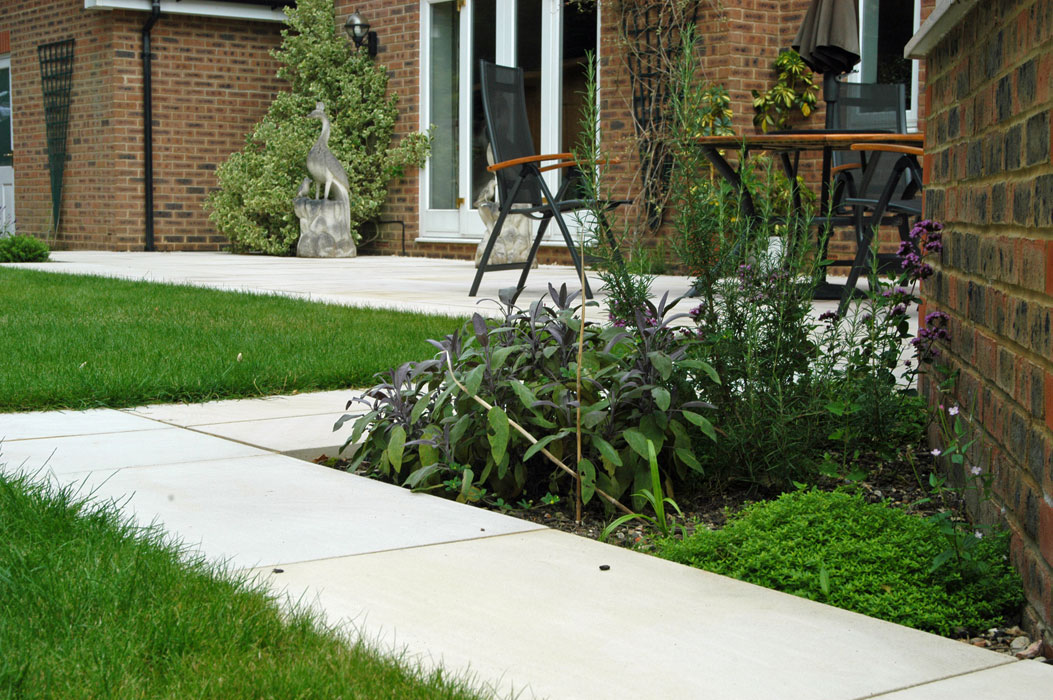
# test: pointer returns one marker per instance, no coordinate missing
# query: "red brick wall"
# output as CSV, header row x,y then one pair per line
x,y
398,31
212,81
990,180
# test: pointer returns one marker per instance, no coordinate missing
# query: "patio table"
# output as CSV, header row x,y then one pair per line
x,y
789,146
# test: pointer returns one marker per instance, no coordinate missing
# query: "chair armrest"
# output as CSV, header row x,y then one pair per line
x,y
847,166
889,148
529,159
569,163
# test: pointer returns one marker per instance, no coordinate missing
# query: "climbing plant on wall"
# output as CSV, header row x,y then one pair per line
x,y
253,205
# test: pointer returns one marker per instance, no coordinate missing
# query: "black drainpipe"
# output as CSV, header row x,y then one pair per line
x,y
148,125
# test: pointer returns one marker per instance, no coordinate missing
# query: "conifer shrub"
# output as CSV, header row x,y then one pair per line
x,y
19,248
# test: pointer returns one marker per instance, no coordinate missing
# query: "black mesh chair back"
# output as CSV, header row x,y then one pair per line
x,y
504,103
868,107
876,106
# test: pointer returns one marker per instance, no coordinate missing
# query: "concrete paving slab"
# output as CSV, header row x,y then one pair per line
x,y
534,611
41,424
86,453
259,408
270,509
1021,679
305,437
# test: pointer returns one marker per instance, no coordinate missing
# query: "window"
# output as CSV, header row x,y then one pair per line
x,y
548,40
885,28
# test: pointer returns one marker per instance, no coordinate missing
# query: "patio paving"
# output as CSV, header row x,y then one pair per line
x,y
410,284
525,608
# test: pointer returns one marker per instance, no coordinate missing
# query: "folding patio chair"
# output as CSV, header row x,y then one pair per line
x,y
896,199
873,186
520,185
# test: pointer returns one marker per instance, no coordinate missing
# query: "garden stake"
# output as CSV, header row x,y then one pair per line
x,y
533,440
577,375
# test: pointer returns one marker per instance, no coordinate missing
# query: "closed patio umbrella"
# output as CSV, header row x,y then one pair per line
x,y
828,39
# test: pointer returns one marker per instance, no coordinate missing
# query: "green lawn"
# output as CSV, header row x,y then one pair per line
x,y
93,607
72,341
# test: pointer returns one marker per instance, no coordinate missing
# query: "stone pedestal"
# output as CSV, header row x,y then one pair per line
x,y
514,241
325,231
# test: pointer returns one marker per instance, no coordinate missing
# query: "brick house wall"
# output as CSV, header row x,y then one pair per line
x,y
212,81
740,40
990,181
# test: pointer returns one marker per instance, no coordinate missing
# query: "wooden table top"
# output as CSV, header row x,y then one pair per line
x,y
790,141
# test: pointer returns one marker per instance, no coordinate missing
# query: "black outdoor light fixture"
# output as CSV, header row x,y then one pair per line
x,y
358,29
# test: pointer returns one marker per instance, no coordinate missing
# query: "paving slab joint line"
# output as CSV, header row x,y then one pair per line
x,y
211,435
4,438
539,528
131,412
886,693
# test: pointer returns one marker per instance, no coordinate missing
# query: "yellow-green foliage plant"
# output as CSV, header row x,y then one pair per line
x,y
793,93
253,205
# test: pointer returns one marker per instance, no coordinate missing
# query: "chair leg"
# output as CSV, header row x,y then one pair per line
x,y
866,237
566,233
533,252
485,259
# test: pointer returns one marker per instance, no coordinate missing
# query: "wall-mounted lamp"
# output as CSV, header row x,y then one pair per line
x,y
358,29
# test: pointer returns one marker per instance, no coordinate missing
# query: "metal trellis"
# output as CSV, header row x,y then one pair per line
x,y
56,77
654,31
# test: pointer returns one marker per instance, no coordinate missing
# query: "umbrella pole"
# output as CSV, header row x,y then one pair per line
x,y
831,90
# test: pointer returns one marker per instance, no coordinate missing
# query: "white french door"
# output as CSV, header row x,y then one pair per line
x,y
547,39
7,170
885,27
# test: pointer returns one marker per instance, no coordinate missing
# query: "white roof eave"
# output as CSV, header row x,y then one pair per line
x,y
200,8
943,18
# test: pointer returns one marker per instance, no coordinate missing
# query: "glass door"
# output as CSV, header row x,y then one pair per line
x,y
885,27
7,170
547,39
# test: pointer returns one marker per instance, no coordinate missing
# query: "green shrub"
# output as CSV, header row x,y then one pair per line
x,y
253,205
871,558
793,93
19,248
638,385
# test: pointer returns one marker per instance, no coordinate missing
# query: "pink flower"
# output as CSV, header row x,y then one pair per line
x,y
953,410
976,471
936,452
978,535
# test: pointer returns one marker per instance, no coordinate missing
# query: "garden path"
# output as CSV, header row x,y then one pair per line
x,y
523,607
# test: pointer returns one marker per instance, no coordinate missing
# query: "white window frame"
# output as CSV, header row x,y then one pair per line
x,y
858,75
463,225
7,215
